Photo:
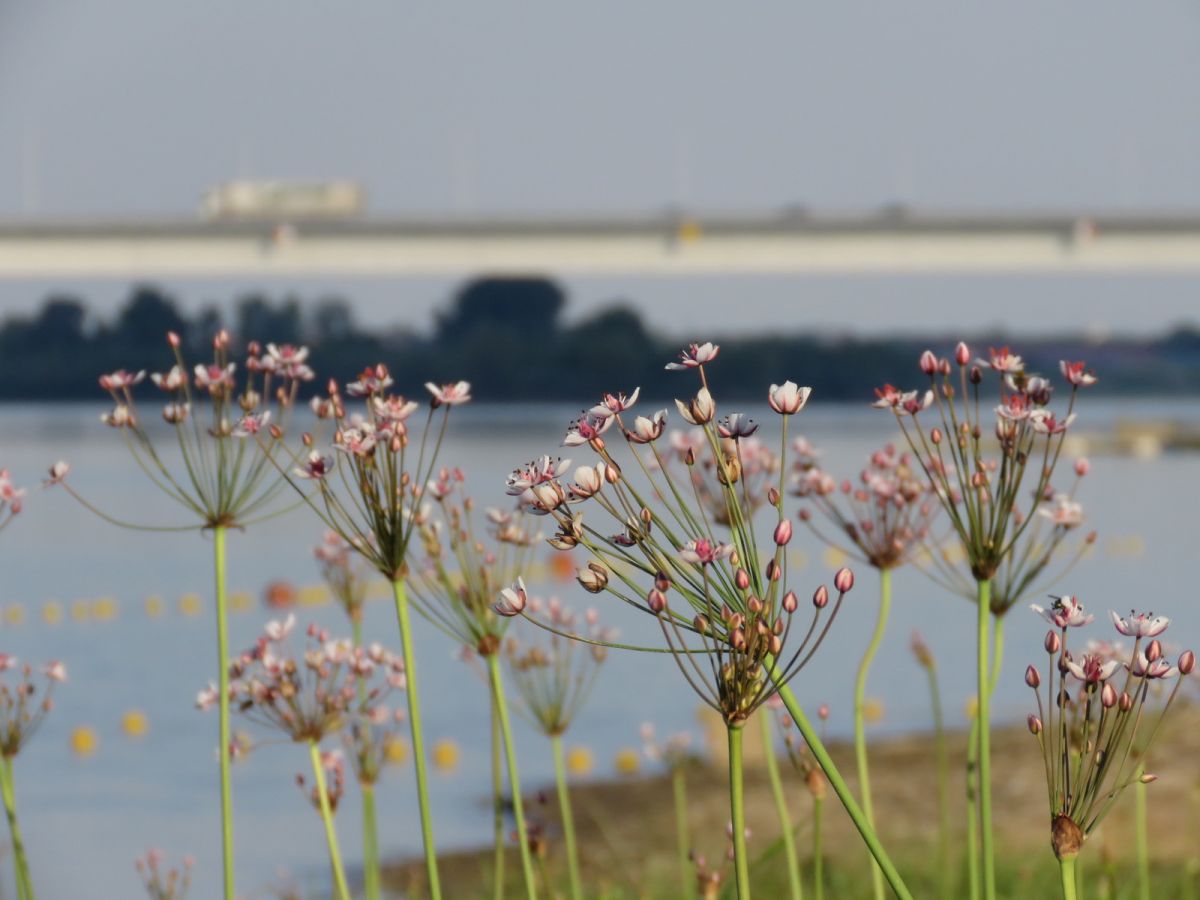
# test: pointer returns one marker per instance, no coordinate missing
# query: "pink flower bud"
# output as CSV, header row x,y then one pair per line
x,y
1032,678
843,580
962,354
976,375
823,712
929,363
173,339
1154,651
742,579
821,597
1035,724
804,515
1052,643
935,435
737,639
1108,696
1148,778
783,532
1126,702
1187,662
944,366
661,581
774,572
791,602
1082,467
656,600
773,496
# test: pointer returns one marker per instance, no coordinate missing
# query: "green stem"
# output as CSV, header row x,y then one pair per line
x,y
568,819
785,819
514,784
973,765
497,805
983,617
371,880
223,709
1066,869
335,857
683,843
839,787
1140,834
860,733
418,740
737,804
818,860
943,766
20,862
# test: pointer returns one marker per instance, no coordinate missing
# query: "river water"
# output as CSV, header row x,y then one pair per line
x,y
160,790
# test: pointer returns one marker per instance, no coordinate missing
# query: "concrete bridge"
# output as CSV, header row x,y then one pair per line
x,y
891,242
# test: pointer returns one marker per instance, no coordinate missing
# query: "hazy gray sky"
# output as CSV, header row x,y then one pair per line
x,y
136,106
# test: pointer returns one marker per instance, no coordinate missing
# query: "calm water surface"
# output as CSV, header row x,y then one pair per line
x,y
160,790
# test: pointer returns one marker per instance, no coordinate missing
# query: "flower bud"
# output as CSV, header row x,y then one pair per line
x,y
944,366
593,579
700,623
173,339
1052,642
976,375
1154,651
804,515
774,572
1125,702
791,602
1108,696
821,597
783,532
843,580
656,600
935,435
1035,724
737,639
661,581
754,605
742,579
962,354
775,644
1187,662
773,496
929,363
1082,467
1148,778
1032,678
823,712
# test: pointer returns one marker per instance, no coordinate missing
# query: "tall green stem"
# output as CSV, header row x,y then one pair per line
x,y
1141,838
785,819
818,859
20,862
370,828
943,776
568,818
860,732
839,787
1066,868
983,617
683,842
335,857
418,740
514,782
223,709
973,767
737,805
497,804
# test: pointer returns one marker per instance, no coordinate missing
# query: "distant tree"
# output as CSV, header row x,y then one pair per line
x,y
530,306
145,319
260,320
333,320
59,324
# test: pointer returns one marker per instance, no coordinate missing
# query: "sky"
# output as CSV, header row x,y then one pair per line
x,y
135,107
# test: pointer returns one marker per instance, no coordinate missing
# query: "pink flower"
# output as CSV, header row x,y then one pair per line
x,y
288,361
588,481
1065,512
1044,422
58,473
587,428
176,413
700,409
613,404
1141,624
537,472
888,397
120,416
704,552
277,631
788,398
645,430
1092,669
1075,374
7,662
55,671
693,356
174,380
251,424
371,381
1066,612
206,698
452,394
913,402
1143,668
121,380
512,600
214,378
1003,360
316,468
393,409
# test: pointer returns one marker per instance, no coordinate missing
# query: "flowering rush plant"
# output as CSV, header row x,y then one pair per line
x,y
1093,716
171,884
730,628
342,570
11,499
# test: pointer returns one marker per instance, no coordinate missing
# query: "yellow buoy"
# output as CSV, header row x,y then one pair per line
x,y
135,723
445,755
579,760
104,609
189,604
84,741
873,710
628,761
395,751
52,612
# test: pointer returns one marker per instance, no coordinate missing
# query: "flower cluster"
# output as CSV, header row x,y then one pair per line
x,y
1091,719
22,707
311,695
673,751
979,493
11,499
172,884
554,677
334,765
381,500
462,571
341,570
371,738
744,458
731,638
884,516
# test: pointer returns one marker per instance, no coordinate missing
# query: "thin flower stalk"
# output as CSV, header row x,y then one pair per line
x,y
215,474
372,492
980,493
787,835
323,795
172,884
673,752
23,708
729,633
815,783
926,660
974,880
1093,717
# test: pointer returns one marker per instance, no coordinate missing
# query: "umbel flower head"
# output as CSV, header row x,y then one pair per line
x,y
731,624
370,490
343,572
172,884
312,694
11,499
553,676
1095,714
219,477
463,568
883,517
979,492
24,706
333,762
